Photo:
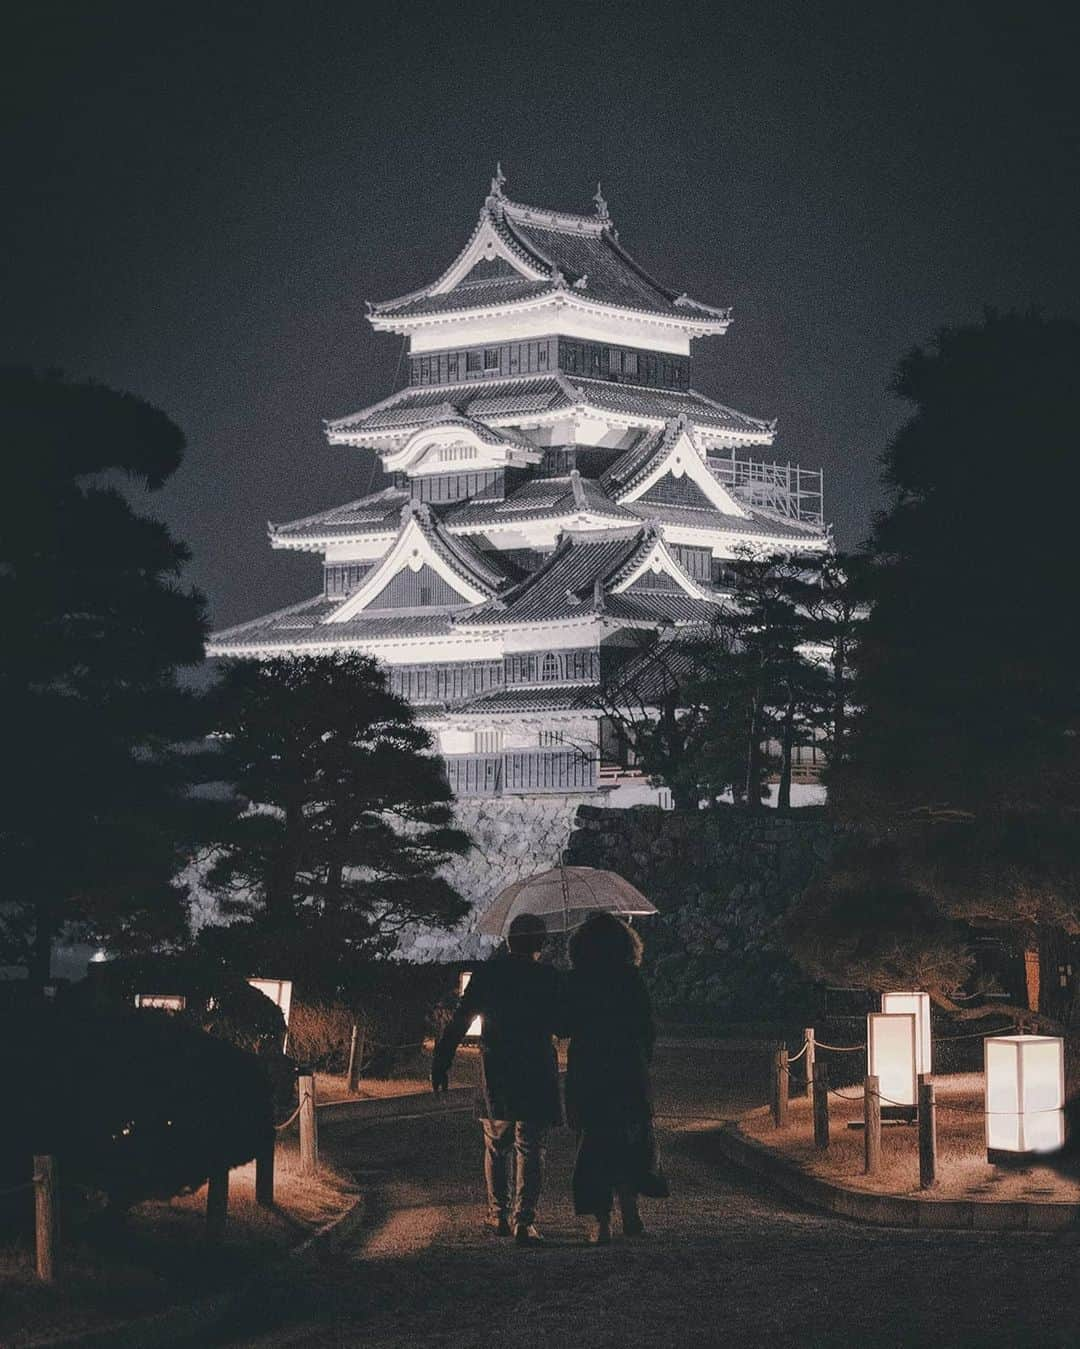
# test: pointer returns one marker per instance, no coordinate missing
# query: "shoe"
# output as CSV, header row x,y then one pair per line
x,y
527,1235
601,1233
498,1224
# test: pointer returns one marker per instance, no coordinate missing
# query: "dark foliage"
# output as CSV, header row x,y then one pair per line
x,y
95,626
134,1105
344,818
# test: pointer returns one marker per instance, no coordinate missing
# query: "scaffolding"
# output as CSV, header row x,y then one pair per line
x,y
786,490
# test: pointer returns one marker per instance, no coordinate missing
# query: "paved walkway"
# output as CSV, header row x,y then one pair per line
x,y
726,1263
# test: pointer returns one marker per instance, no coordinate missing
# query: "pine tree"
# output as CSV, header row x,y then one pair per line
x,y
344,816
96,809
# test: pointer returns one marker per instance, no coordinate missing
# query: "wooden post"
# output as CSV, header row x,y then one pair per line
x,y
780,1087
264,1173
821,1105
811,1059
217,1202
46,1217
357,1045
309,1129
872,1125
927,1133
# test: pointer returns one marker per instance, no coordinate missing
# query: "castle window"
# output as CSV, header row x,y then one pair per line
x,y
548,738
549,670
491,358
487,742
614,361
473,361
630,363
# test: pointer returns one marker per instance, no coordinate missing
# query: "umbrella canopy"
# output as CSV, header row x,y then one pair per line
x,y
564,897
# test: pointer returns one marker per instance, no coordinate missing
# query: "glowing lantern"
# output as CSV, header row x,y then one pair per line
x,y
919,1005
161,1002
279,991
1025,1095
476,1025
891,1055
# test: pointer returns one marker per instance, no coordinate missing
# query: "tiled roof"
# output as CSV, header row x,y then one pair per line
x,y
379,513
759,524
305,625
543,393
557,698
674,606
581,254
487,398
483,569
638,401
563,587
539,499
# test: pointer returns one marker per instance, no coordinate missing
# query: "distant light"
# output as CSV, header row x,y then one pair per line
x,y
98,958
1025,1095
476,1025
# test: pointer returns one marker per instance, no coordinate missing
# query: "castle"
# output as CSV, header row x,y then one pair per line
x,y
557,487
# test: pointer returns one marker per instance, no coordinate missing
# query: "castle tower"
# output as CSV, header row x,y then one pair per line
x,y
557,486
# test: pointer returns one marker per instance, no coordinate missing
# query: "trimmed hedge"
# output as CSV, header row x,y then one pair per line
x,y
134,1105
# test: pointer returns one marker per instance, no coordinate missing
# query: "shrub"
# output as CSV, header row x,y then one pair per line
x,y
134,1104
320,1034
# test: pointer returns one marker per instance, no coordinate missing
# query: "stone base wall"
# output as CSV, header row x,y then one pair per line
x,y
514,837
723,880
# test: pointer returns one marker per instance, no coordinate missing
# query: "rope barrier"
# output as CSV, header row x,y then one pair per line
x,y
794,1058
839,1049
294,1114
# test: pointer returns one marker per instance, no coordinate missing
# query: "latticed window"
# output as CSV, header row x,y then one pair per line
x,y
491,358
549,738
549,669
487,742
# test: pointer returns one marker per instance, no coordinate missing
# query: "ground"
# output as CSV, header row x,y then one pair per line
x,y
160,1257
726,1262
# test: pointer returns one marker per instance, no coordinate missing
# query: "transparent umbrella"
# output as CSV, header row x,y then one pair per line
x,y
564,897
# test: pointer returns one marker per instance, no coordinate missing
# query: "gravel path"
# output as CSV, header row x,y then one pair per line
x,y
725,1263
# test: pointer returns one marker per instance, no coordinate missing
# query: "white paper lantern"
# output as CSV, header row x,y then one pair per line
x,y
1025,1095
476,1025
918,1004
891,1057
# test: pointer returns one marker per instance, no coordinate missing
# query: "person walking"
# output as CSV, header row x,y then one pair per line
x,y
518,1001
608,1090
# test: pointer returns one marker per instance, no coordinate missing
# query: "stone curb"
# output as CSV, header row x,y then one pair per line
x,y
885,1210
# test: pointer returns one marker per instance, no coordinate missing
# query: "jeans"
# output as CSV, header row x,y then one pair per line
x,y
527,1142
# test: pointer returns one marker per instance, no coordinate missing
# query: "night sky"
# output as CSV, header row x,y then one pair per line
x,y
202,197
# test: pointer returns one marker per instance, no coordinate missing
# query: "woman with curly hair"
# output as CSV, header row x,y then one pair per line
x,y
608,1093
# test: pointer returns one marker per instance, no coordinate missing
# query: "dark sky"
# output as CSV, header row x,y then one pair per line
x,y
201,197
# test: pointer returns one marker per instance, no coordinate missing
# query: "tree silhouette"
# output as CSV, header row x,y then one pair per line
x,y
344,816
96,805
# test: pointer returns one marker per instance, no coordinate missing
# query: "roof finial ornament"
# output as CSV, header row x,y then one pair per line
x,y
601,205
499,181
495,200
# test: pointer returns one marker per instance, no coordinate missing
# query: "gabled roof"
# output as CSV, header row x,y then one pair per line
x,y
483,400
539,499
546,252
422,541
587,574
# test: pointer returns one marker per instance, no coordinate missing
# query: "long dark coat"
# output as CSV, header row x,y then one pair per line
x,y
609,1017
608,1091
521,1006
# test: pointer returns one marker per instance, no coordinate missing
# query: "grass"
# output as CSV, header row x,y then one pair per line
x,y
160,1257
963,1171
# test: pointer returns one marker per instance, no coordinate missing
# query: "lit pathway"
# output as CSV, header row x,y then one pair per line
x,y
726,1263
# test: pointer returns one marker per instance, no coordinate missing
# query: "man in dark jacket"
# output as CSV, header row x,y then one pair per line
x,y
518,1001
